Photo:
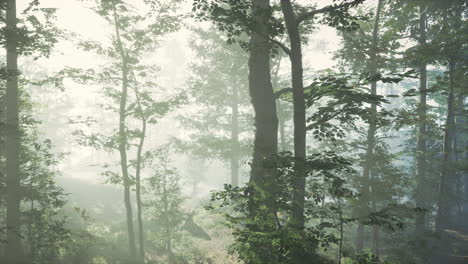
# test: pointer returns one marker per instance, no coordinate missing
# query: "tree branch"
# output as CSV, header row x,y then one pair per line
x,y
326,9
289,89
274,41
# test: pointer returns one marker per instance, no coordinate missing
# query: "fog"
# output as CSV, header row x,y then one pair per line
x,y
219,131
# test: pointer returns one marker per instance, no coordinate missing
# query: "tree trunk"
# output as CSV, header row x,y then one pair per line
x,y
447,189
282,128
141,234
299,120
421,188
461,141
14,252
280,107
262,97
375,236
235,138
123,139
373,67
299,113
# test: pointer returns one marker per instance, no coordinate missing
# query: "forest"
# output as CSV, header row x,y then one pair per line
x,y
234,132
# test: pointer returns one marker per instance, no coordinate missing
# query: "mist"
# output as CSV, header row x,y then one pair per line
x,y
233,131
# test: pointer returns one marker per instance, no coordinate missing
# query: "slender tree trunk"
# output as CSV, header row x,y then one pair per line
x,y
14,251
447,189
460,150
461,124
376,240
262,96
368,162
280,108
375,235
340,245
299,120
282,128
235,138
123,139
421,164
141,234
299,112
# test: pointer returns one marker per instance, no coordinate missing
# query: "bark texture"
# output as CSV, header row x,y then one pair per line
x,y
14,251
262,96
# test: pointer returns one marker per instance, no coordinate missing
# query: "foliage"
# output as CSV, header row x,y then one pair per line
x,y
217,86
36,29
269,237
44,227
163,201
366,258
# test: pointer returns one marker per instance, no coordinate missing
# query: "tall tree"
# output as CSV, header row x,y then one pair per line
x,y
299,117
134,34
293,23
14,251
221,126
370,142
421,164
122,132
448,41
261,94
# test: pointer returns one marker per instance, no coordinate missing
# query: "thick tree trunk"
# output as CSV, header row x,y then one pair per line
x,y
235,138
262,97
14,252
421,164
368,162
444,218
123,140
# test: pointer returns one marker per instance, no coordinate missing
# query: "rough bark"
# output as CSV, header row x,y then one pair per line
x,y
123,139
235,138
262,97
371,131
421,151
13,252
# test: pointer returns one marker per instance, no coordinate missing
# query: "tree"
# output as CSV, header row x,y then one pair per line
x,y
163,200
421,162
449,41
220,127
293,23
370,142
29,36
134,35
14,249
